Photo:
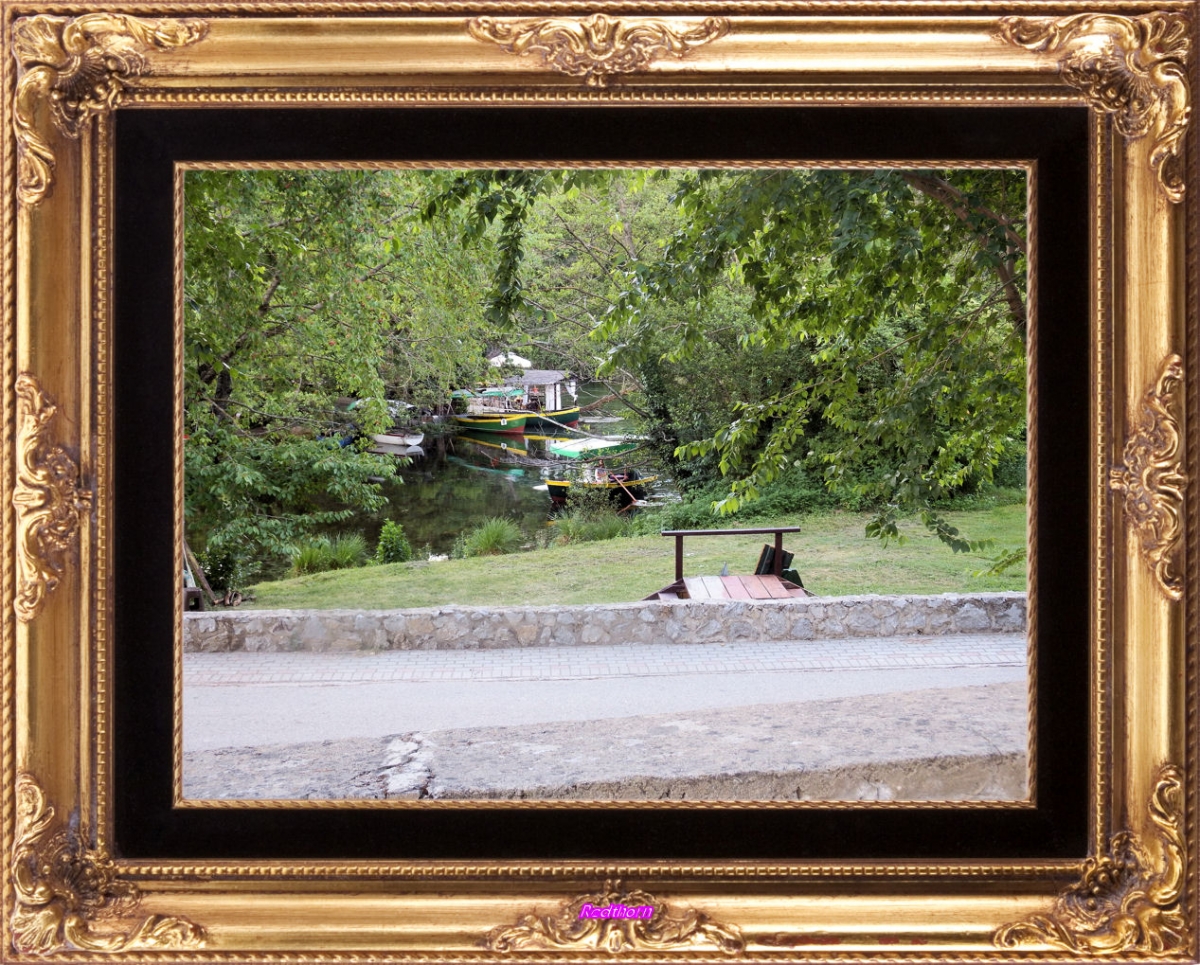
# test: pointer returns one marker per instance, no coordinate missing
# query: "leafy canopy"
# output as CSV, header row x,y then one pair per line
x,y
311,297
874,320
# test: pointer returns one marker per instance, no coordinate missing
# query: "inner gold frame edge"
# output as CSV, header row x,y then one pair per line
x,y
1029,168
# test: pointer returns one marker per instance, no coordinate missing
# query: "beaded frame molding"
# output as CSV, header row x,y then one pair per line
x,y
68,70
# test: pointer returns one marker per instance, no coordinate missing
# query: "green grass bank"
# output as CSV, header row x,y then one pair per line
x,y
833,558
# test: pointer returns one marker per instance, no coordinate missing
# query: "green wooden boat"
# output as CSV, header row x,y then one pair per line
x,y
589,448
501,421
550,422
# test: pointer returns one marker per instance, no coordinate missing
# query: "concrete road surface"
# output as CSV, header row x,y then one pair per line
x,y
243,699
924,718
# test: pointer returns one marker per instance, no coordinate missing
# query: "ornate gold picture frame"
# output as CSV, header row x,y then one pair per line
x,y
99,864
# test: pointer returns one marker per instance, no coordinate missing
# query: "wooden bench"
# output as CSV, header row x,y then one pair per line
x,y
761,586
739,588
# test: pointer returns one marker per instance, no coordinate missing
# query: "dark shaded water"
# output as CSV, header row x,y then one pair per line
x,y
467,477
454,489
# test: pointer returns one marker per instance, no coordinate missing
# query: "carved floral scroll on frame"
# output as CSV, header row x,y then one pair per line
x,y
78,67
1131,68
68,896
598,47
50,505
64,894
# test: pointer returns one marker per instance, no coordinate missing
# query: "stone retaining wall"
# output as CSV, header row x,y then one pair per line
x,y
693,621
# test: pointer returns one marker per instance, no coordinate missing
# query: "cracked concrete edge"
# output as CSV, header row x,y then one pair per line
x,y
993,777
407,767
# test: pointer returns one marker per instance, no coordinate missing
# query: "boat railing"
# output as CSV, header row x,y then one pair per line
x,y
777,531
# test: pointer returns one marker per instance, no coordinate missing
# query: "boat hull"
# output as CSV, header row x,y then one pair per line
x,y
547,422
623,493
506,423
589,448
406,438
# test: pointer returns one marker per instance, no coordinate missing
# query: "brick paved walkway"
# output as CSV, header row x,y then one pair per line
x,y
593,662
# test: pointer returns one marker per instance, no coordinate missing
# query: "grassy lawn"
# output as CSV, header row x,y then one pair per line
x,y
833,558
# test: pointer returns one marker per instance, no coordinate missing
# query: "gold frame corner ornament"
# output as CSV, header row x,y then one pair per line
x,y
48,500
599,46
665,930
1153,480
1134,68
1122,905
63,887
78,66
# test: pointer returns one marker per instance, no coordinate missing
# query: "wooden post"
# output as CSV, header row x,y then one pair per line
x,y
198,572
678,557
779,552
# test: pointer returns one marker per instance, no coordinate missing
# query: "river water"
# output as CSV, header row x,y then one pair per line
x,y
464,478
455,487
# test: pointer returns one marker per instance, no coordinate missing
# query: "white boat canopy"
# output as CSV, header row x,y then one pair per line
x,y
509,358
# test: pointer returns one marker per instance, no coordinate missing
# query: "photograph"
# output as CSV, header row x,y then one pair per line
x,y
437,424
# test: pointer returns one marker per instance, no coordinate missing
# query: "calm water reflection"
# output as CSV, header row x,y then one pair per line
x,y
458,484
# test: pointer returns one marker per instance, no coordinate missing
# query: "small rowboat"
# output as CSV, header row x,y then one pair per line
x,y
403,437
589,448
624,488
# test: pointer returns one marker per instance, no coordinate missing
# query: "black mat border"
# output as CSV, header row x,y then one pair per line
x,y
149,141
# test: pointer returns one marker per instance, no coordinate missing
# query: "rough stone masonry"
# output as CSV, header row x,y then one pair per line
x,y
689,621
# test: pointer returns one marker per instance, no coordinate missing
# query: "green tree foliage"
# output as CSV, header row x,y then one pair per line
x,y
869,326
905,292
306,291
580,235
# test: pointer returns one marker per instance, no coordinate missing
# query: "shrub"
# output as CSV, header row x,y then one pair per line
x,y
579,525
311,557
348,551
607,526
321,553
1010,471
393,546
493,537
223,570
646,522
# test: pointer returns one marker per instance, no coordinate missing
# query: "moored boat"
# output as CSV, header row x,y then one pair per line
x,y
489,410
624,487
499,421
589,448
540,396
549,422
399,437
